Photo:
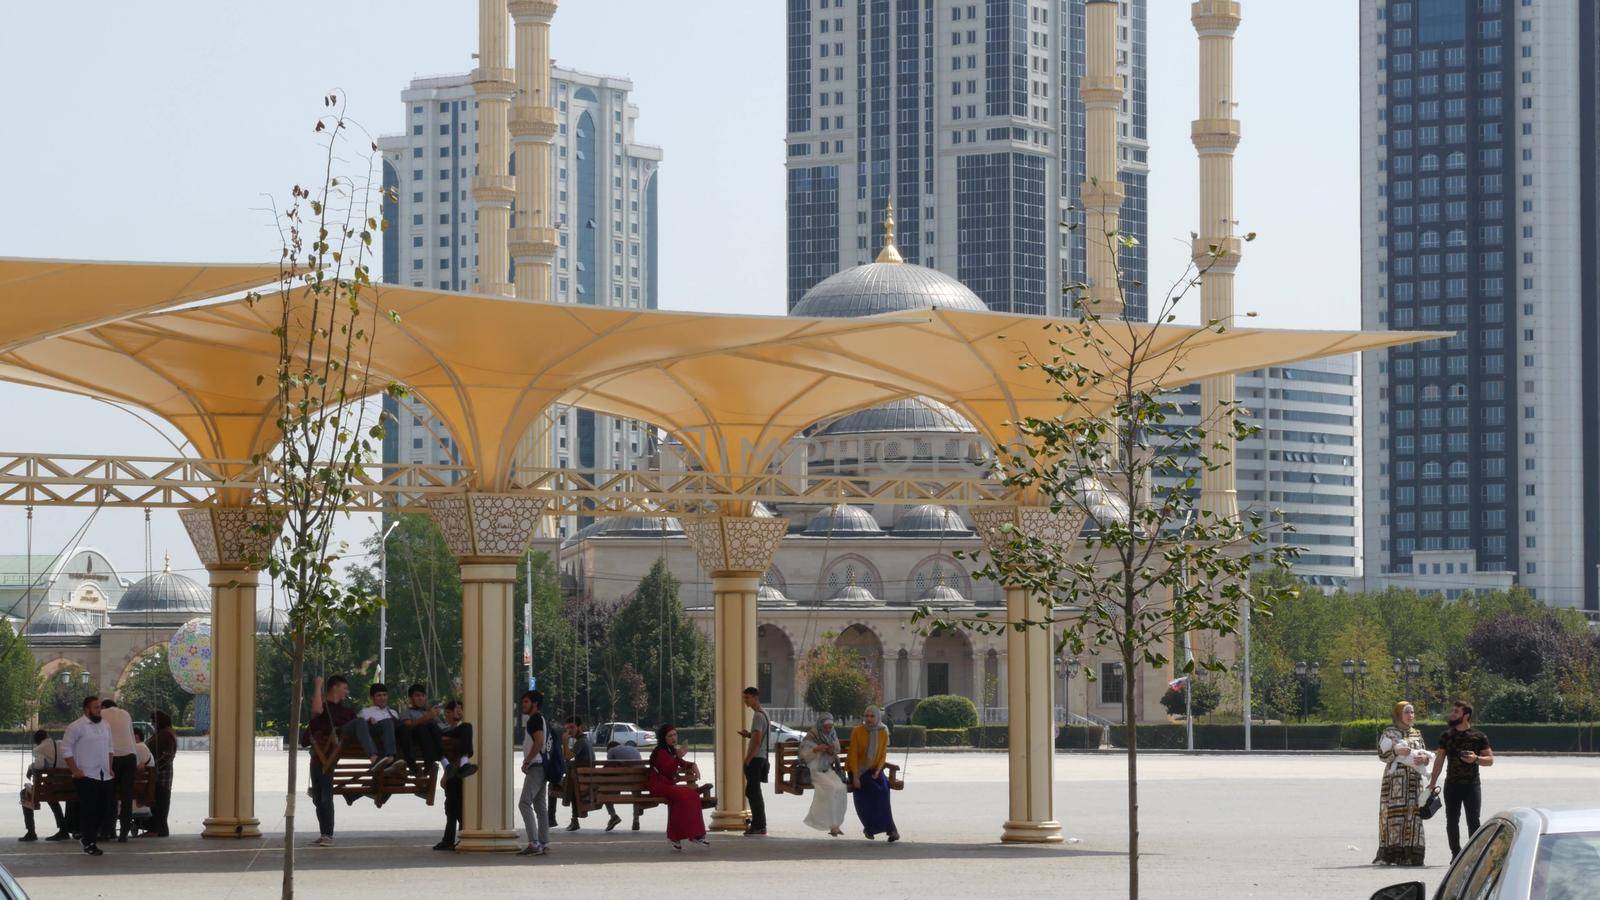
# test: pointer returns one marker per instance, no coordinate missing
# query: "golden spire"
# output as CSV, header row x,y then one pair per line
x,y
889,254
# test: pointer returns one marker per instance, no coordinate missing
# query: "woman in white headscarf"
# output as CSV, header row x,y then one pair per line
x,y
829,798
869,750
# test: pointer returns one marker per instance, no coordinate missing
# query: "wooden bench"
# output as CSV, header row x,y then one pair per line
x,y
55,785
624,781
349,766
786,761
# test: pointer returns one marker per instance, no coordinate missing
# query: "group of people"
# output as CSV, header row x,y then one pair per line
x,y
1461,752
104,752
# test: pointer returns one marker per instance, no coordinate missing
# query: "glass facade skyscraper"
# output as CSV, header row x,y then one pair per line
x,y
966,114
1479,192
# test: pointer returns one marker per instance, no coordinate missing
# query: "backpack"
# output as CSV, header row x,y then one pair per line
x,y
555,762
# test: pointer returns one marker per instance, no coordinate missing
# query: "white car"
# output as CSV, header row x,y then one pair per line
x,y
1520,854
779,733
625,733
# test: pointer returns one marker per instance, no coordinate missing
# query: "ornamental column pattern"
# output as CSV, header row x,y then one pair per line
x,y
1101,193
492,188
233,546
1216,135
737,551
1030,674
487,534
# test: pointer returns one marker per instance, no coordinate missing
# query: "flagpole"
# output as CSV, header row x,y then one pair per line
x,y
1188,692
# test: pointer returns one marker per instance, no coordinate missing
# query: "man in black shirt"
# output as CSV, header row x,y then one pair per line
x,y
1466,749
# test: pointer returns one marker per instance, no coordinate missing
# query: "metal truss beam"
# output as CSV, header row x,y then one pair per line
x,y
49,479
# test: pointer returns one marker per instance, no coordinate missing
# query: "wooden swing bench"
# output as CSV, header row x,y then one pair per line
x,y
625,782
786,762
55,785
349,766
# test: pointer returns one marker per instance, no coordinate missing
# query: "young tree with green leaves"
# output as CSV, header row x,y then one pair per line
x,y
837,680
671,657
150,686
1152,564
324,316
19,679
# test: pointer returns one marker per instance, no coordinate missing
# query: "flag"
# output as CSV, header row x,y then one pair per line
x,y
1178,684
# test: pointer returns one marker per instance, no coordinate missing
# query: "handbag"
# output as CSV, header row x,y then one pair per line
x,y
1430,806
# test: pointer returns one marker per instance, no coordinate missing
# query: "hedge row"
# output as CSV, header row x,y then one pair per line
x,y
1359,736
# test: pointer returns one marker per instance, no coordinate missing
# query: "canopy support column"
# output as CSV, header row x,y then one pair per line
x,y
487,534
736,550
1030,675
233,547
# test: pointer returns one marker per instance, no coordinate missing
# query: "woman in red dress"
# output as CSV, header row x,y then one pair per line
x,y
684,818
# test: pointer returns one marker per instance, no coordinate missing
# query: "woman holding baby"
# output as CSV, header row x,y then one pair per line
x,y
1405,759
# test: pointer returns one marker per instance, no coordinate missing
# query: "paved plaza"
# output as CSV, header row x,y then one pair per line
x,y
1214,826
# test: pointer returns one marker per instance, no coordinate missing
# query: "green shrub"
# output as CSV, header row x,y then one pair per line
x,y
689,736
945,711
947,737
1205,697
985,736
1078,737
1362,734
908,736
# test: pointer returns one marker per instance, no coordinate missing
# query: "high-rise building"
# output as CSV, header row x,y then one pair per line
x,y
1479,200
605,185
1300,468
966,113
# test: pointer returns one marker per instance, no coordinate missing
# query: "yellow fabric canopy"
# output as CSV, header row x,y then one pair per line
x,y
732,388
45,297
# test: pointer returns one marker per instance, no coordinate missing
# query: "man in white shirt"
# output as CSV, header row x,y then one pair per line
x,y
86,747
46,755
376,719
124,763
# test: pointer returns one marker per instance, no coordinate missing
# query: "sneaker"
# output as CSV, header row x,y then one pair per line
x,y
467,770
444,845
573,826
635,824
613,822
399,765
701,841
529,850
59,836
380,764
894,836
755,832
28,838
93,850
323,841
677,845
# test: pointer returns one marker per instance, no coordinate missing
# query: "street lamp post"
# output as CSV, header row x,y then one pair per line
x,y
1413,670
1348,667
383,589
1306,673
1116,669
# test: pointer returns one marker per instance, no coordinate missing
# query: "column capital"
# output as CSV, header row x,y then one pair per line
x,y
496,82
735,545
1214,135
231,537
1215,17
501,189
488,527
535,122
536,11
1037,522
1229,250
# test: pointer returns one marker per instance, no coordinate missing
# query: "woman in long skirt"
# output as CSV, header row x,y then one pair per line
x,y
869,750
1404,756
829,797
685,821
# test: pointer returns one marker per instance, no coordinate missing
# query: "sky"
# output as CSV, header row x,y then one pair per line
x,y
161,132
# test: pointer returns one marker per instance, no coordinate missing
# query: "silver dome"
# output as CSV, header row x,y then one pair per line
x,y
767,595
59,622
930,520
842,520
941,594
166,592
908,414
883,287
852,595
271,620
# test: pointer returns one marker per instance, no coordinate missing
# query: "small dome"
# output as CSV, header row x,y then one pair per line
x,y
931,521
1102,501
853,595
843,520
271,620
165,592
767,595
629,526
909,414
941,594
61,622
885,287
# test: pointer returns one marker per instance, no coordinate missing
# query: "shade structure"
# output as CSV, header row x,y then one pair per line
x,y
46,297
732,388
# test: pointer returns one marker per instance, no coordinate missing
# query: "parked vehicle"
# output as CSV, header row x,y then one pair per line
x,y
899,712
1520,854
779,733
9,889
625,733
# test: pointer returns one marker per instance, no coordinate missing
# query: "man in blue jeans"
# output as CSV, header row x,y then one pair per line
x,y
329,716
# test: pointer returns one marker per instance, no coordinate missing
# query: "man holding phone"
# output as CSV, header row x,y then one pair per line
x,y
1464,750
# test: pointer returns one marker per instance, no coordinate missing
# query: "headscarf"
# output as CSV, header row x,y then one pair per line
x,y
824,735
874,731
1400,708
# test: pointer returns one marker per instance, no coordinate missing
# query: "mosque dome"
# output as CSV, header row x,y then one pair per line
x,y
843,520
767,595
271,620
941,594
163,593
853,594
59,622
885,286
930,521
907,414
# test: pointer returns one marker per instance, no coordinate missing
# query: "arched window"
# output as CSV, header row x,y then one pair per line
x,y
1456,160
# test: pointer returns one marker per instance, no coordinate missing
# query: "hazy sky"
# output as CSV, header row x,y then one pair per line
x,y
155,134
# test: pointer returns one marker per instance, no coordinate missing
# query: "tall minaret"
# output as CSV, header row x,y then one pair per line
x,y
1215,134
1101,89
533,125
492,188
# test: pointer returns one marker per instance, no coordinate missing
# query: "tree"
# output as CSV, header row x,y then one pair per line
x,y
557,663
19,679
836,679
150,686
325,320
671,657
1362,696
945,711
1206,696
423,597
1153,564
61,696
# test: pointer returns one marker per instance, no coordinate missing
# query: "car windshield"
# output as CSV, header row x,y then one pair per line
x,y
1568,866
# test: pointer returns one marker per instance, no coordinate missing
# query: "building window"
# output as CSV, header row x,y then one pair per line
x,y
1111,681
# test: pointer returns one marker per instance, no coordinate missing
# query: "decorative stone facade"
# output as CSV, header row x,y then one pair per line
x,y
486,525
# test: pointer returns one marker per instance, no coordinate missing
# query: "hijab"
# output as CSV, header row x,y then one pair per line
x,y
875,733
823,736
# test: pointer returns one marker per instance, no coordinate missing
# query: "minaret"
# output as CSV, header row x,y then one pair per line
x,y
492,188
533,126
1215,134
1101,89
